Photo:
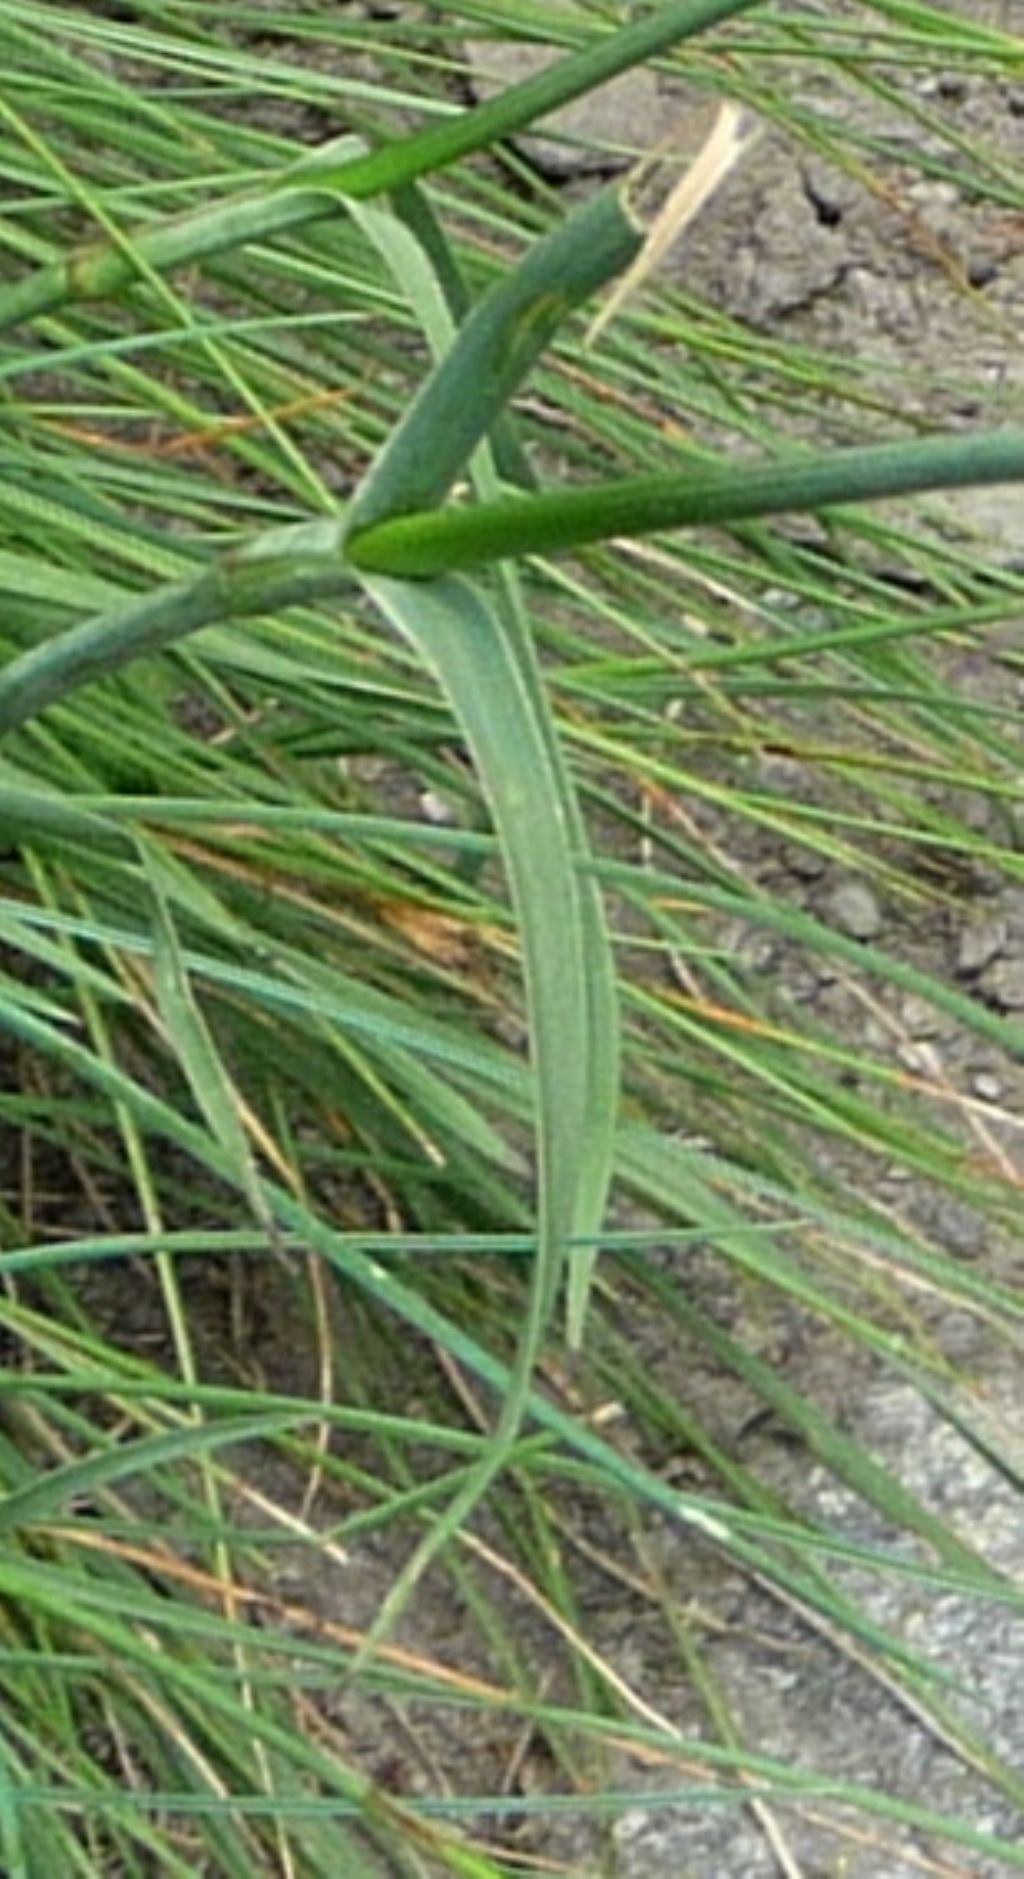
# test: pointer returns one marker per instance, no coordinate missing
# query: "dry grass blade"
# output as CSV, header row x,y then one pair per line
x,y
725,145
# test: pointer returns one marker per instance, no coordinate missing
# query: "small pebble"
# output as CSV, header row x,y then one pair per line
x,y
759,952
951,87
751,946
1004,984
980,942
919,1016
987,1086
854,909
806,863
433,808
961,1230
875,1036
917,1058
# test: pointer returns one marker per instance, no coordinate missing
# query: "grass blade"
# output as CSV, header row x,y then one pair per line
x,y
491,354
417,546
501,340
464,643
194,1046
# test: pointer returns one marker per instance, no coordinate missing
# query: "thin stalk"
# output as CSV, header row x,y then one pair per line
x,y
440,541
235,586
501,340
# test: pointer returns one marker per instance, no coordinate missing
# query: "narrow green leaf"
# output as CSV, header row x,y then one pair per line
x,y
47,1496
285,568
491,355
38,815
197,1054
501,717
412,242
464,400
12,1840
461,639
435,542
848,1460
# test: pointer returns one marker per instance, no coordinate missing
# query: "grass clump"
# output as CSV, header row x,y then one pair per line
x,y
320,1107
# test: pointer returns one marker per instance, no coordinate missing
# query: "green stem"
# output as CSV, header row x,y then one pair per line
x,y
309,190
536,97
102,268
504,335
307,562
437,541
238,585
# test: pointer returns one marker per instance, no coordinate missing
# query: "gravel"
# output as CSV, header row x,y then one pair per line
x,y
853,907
